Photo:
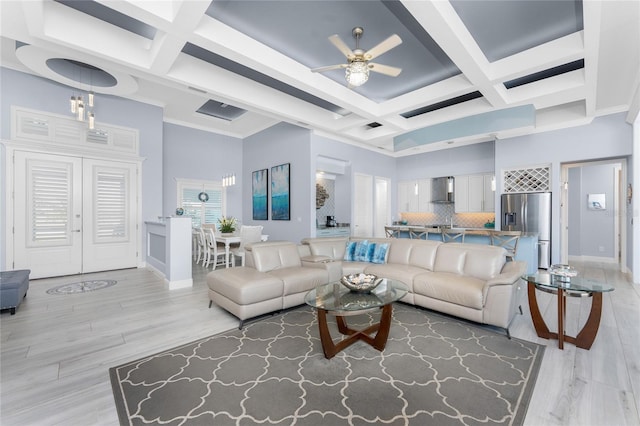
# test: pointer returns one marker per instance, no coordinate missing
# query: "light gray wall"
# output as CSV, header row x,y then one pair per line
x,y
464,160
196,154
361,161
597,226
282,143
37,93
605,137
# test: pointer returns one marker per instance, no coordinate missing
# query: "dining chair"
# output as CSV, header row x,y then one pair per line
x,y
195,248
391,232
452,235
418,233
216,252
508,240
203,250
248,234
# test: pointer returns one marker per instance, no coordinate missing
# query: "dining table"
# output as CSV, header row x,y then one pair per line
x,y
229,239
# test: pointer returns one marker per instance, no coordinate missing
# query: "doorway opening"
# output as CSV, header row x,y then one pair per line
x,y
592,226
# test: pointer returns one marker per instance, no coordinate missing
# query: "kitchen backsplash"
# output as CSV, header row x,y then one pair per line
x,y
443,213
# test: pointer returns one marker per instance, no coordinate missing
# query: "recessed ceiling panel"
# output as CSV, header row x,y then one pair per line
x,y
81,72
300,30
111,16
222,62
504,28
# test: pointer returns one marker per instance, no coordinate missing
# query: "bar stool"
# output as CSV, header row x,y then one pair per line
x,y
507,240
450,235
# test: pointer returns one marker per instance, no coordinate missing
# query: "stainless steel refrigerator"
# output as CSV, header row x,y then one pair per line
x,y
530,213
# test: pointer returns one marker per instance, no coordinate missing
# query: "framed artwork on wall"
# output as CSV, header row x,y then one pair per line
x,y
280,202
259,184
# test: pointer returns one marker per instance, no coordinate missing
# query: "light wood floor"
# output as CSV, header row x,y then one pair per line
x,y
57,349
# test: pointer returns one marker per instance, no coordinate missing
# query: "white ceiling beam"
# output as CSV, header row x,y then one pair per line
x,y
591,17
446,28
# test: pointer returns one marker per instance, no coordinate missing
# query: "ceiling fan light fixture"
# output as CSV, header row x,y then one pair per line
x,y
357,73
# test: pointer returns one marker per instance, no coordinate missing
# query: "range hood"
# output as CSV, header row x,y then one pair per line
x,y
442,190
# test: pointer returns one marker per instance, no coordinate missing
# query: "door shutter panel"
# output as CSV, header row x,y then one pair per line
x,y
111,209
50,204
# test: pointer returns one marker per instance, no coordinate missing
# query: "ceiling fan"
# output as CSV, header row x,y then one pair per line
x,y
358,66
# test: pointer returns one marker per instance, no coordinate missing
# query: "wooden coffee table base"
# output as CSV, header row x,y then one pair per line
x,y
379,341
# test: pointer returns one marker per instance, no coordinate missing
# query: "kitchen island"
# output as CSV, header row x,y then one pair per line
x,y
527,246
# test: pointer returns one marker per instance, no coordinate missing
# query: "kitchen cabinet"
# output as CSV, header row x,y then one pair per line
x,y
407,196
341,231
415,196
474,193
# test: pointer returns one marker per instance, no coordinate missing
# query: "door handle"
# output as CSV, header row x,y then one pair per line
x,y
76,230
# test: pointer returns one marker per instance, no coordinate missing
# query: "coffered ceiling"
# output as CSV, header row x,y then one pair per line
x,y
472,70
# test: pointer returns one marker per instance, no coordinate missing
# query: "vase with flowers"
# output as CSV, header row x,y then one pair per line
x,y
227,225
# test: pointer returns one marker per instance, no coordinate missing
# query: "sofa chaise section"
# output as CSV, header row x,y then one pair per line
x,y
273,279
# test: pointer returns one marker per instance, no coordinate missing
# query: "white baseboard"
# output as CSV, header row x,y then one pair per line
x,y
593,259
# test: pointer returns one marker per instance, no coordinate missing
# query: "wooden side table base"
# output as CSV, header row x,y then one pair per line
x,y
585,337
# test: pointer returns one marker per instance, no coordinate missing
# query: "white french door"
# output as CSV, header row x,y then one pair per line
x,y
73,215
109,237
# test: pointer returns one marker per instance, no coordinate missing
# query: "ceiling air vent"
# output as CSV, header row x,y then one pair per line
x,y
221,110
374,125
444,104
98,136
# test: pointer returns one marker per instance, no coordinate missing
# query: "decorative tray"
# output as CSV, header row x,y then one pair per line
x,y
363,283
564,271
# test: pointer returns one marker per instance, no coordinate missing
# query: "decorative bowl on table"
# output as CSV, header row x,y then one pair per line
x,y
563,272
362,283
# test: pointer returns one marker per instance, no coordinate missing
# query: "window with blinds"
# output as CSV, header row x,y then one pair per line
x,y
207,212
51,207
111,208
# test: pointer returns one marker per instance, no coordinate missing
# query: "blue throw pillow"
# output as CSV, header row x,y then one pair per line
x,y
380,253
370,251
350,251
361,251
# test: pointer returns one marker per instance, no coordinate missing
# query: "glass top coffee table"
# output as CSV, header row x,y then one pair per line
x,y
335,299
562,287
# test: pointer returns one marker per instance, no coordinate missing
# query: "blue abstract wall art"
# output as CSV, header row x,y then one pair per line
x,y
280,203
259,185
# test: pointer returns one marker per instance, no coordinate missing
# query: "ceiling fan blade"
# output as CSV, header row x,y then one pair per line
x,y
385,69
329,68
342,46
382,47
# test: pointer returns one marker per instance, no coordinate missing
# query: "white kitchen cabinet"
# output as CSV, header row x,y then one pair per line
x,y
461,194
424,196
407,196
415,196
342,231
473,194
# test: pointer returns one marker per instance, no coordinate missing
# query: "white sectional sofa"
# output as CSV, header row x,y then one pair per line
x,y
470,281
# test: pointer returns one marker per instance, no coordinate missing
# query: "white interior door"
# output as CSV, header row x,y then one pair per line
x,y
383,206
109,229
363,205
73,215
47,214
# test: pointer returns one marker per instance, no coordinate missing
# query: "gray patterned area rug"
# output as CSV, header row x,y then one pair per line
x,y
435,370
